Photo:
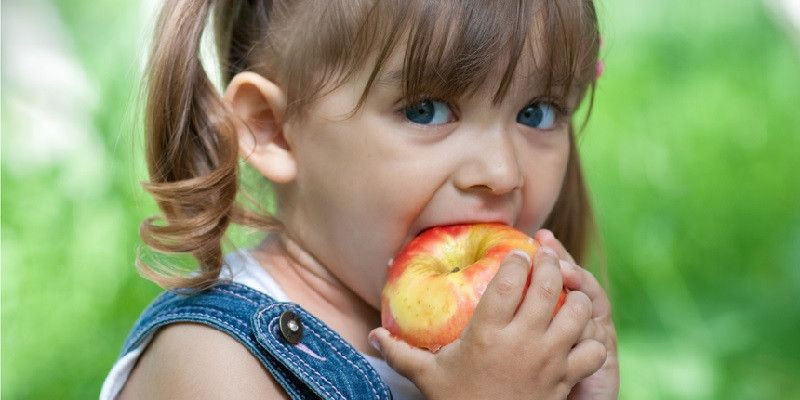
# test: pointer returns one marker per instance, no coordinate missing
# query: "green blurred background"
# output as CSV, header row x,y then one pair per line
x,y
692,155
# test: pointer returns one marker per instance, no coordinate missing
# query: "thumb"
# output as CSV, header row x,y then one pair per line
x,y
409,361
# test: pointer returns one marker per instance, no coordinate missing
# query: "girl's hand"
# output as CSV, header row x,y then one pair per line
x,y
603,384
513,348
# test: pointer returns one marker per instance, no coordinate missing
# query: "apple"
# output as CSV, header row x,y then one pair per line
x,y
436,280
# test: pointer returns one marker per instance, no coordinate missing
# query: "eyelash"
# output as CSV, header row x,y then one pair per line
x,y
561,110
559,106
404,104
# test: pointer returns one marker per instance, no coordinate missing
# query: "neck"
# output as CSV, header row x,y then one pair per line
x,y
311,285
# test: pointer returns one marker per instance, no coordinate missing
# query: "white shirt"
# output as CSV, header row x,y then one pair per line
x,y
242,268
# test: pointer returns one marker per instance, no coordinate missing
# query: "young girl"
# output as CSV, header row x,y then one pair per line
x,y
371,120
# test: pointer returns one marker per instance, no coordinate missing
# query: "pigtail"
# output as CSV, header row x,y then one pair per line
x,y
192,152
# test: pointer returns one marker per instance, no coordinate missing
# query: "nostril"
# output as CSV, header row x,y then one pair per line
x,y
502,188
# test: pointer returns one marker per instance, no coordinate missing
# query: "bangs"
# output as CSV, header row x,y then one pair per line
x,y
454,48
450,48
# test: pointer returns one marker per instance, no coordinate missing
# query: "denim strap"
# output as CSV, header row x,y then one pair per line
x,y
321,365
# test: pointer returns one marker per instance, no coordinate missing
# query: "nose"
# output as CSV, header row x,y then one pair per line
x,y
491,163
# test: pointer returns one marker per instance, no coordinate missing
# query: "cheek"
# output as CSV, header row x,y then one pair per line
x,y
358,214
543,183
350,230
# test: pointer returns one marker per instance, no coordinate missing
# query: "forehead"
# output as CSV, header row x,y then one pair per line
x,y
452,60
447,48
452,49
530,67
527,74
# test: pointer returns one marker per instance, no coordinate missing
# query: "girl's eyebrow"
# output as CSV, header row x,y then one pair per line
x,y
534,82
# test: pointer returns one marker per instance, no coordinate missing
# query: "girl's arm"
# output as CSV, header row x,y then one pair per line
x,y
192,361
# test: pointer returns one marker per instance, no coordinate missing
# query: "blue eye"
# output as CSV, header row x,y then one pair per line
x,y
538,115
433,112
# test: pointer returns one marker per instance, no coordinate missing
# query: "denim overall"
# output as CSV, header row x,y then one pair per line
x,y
305,357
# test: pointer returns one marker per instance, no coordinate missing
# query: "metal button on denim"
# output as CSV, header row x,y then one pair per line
x,y
291,327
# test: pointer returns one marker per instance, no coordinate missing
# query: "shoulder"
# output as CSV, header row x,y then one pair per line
x,y
195,361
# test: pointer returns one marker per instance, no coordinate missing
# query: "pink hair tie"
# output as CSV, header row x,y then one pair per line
x,y
600,67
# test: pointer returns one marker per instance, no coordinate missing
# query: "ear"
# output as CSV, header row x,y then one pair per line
x,y
259,106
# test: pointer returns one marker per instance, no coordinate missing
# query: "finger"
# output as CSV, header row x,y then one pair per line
x,y
536,310
584,360
577,278
504,292
594,330
571,321
546,238
409,361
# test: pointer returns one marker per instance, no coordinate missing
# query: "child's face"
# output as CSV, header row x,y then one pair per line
x,y
367,185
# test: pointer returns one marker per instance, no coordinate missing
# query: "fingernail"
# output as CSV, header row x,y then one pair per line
x,y
521,255
375,344
373,341
548,234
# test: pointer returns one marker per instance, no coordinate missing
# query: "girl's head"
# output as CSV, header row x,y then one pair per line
x,y
373,120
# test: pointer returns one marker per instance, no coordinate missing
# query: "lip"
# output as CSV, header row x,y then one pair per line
x,y
505,221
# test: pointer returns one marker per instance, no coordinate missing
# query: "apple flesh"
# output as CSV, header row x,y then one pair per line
x,y
437,279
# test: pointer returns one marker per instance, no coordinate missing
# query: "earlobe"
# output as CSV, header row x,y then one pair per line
x,y
259,106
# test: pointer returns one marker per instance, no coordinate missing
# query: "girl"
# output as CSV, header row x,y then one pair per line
x,y
371,120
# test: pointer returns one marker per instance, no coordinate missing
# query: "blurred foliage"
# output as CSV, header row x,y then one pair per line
x,y
692,156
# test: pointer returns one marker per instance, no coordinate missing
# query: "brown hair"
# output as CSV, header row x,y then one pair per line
x,y
451,48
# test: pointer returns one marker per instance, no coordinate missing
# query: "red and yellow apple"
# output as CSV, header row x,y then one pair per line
x,y
436,280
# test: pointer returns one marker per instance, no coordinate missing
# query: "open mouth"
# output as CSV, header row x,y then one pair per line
x,y
468,222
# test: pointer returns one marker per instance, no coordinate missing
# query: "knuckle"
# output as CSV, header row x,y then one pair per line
x,y
480,337
601,334
518,259
505,286
483,339
551,355
578,311
547,261
548,289
549,284
589,331
581,307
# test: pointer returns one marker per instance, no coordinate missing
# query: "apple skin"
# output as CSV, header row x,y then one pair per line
x,y
437,279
